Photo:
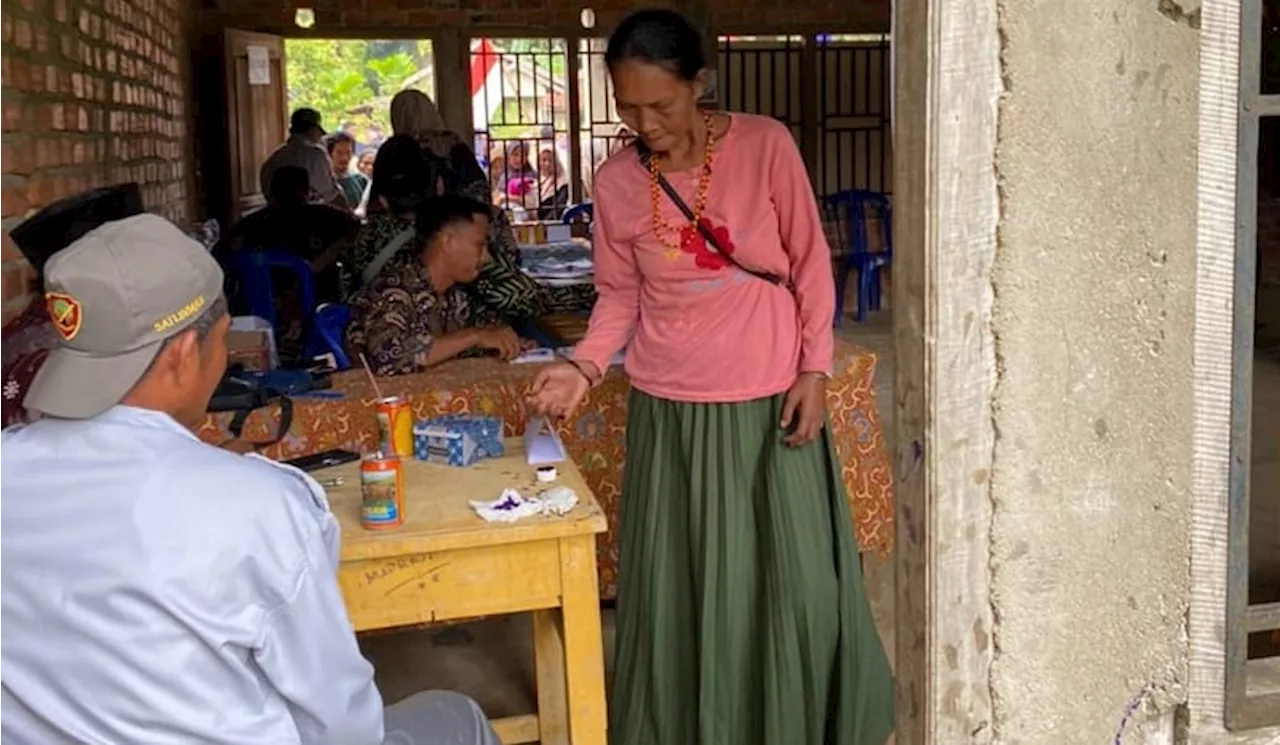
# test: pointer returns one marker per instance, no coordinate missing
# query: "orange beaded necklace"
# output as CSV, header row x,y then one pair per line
x,y
662,228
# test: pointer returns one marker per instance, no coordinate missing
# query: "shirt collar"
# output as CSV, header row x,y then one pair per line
x,y
133,416
302,141
415,272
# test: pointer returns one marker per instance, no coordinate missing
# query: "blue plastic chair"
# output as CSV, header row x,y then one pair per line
x,y
252,270
572,214
332,320
858,206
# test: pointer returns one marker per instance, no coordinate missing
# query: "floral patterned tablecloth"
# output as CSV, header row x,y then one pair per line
x,y
594,438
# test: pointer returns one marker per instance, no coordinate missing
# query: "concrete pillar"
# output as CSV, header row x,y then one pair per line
x,y
1045,279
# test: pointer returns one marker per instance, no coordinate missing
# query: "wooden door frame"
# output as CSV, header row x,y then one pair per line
x,y
230,38
946,91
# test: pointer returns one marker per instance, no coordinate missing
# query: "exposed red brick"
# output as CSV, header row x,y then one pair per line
x,y
8,249
738,16
93,95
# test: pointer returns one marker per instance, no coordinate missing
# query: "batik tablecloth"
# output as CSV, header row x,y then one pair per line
x,y
594,437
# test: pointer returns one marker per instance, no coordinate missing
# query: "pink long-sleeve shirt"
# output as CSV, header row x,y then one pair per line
x,y
714,335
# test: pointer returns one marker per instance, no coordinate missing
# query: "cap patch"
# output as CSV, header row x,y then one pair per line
x,y
182,314
65,312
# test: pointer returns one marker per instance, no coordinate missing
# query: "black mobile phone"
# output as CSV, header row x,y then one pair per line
x,y
326,459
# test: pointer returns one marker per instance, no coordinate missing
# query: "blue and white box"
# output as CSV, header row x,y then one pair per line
x,y
486,431
445,445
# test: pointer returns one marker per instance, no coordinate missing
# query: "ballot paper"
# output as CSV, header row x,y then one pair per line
x,y
543,355
542,445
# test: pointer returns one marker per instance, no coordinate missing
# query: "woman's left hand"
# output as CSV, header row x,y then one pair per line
x,y
805,409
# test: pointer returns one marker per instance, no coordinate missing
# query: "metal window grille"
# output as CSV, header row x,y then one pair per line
x,y
1250,621
601,131
763,75
853,142
520,102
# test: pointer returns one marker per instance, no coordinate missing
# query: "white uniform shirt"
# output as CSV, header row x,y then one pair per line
x,y
310,157
154,589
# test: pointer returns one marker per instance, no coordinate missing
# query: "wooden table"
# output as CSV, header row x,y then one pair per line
x,y
595,436
445,563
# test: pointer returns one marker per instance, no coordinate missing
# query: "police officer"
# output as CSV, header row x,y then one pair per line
x,y
154,588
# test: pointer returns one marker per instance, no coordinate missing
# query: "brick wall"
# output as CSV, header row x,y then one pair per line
x,y
531,17
94,93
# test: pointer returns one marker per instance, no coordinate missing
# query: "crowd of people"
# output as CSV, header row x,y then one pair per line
x,y
359,227
159,589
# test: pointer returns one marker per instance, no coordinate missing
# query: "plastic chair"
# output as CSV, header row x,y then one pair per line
x,y
858,205
332,320
252,270
584,210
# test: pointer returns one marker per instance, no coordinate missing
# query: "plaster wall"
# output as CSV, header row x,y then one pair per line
x,y
1093,283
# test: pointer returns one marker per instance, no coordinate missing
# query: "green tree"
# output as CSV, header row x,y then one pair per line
x,y
354,80
329,76
390,73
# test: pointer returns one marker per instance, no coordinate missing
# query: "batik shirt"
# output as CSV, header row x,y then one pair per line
x,y
502,287
27,341
506,289
398,316
380,230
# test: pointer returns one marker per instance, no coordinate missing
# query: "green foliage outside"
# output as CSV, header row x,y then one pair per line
x,y
354,80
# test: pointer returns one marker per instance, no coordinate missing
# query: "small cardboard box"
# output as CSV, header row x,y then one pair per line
x,y
485,431
251,344
449,446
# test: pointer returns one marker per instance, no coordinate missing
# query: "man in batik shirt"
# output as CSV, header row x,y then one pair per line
x,y
415,314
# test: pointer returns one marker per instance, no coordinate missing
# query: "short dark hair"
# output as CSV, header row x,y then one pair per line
x,y
289,182
403,174
441,212
335,139
658,37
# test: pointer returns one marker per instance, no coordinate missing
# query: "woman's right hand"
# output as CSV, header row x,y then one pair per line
x,y
558,389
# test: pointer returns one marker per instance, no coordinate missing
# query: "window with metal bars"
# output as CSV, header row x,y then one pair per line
x,y
832,90
1253,508
520,115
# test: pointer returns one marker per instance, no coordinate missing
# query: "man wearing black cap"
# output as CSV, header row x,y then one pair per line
x,y
305,149
28,338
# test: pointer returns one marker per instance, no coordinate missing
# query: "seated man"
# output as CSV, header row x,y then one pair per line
x,y
154,588
316,233
28,339
414,313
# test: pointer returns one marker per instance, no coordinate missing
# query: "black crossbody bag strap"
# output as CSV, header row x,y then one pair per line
x,y
707,235
241,417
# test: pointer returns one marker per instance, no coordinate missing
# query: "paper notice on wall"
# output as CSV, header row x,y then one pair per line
x,y
259,66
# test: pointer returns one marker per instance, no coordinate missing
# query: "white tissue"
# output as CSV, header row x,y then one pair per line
x,y
511,505
558,500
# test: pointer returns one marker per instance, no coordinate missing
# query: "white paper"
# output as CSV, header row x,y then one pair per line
x,y
511,505
259,66
542,446
543,355
559,233
539,355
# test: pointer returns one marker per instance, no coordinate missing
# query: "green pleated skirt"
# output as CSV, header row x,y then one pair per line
x,y
741,617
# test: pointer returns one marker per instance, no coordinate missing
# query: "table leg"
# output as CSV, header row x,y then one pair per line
x,y
549,662
583,640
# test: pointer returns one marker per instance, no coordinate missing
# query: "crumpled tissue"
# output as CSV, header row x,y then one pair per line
x,y
512,505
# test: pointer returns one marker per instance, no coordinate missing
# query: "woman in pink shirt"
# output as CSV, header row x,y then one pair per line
x,y
741,613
